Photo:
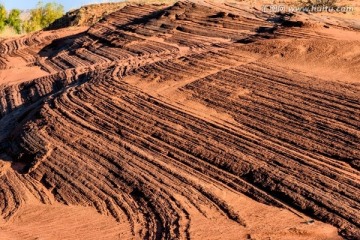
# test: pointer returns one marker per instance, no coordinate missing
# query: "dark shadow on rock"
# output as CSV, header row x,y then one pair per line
x,y
61,44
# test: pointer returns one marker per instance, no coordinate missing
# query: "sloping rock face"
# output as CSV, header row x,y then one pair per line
x,y
86,15
153,113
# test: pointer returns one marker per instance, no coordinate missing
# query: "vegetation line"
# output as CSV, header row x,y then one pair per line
x,y
40,17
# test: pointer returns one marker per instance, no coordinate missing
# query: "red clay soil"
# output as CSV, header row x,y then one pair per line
x,y
190,121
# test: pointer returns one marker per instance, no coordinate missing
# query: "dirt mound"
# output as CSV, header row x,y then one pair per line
x,y
90,14
198,120
86,15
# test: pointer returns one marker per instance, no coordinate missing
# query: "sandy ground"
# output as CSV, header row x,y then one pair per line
x,y
212,120
56,221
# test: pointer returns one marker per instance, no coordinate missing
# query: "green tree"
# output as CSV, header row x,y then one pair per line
x,y
51,12
43,15
34,23
3,14
14,20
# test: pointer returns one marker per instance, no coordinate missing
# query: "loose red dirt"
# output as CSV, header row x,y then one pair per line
x,y
186,121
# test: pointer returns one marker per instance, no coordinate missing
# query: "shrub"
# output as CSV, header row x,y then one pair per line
x,y
40,17
51,12
14,20
43,15
2,17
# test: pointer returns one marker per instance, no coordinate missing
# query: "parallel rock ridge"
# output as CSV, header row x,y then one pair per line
x,y
114,124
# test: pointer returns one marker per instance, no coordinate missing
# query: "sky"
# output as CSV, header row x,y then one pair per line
x,y
68,4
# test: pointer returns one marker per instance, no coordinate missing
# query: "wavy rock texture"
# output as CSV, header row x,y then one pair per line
x,y
190,121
